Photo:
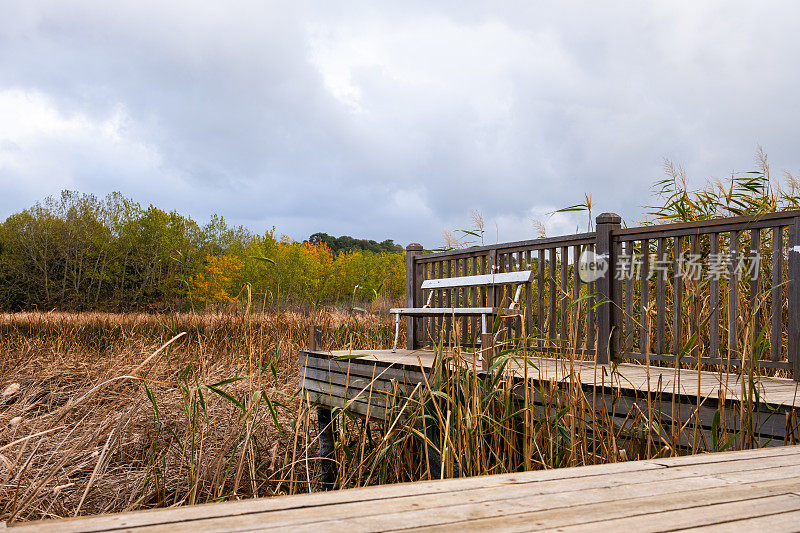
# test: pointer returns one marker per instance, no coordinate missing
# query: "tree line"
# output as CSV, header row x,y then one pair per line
x,y
346,243
80,252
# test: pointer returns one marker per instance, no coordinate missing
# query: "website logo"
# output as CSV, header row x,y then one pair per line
x,y
592,266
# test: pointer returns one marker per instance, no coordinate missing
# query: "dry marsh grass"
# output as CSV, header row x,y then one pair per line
x,y
112,412
108,412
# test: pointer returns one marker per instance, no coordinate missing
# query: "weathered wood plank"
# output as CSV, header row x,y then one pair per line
x,y
530,500
710,225
494,512
493,505
357,383
685,515
783,521
379,366
330,389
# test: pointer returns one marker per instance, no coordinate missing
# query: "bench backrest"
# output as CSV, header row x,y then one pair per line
x,y
480,280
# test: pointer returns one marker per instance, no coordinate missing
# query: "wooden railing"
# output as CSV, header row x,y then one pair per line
x,y
719,292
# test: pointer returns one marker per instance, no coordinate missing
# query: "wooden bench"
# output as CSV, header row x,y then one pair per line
x,y
520,278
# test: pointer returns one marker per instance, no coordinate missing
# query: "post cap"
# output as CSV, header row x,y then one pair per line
x,y
608,218
414,247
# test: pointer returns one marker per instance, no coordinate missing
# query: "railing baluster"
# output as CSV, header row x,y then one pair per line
x,y
755,268
463,301
552,331
693,319
564,294
677,295
473,301
776,338
439,301
644,299
733,296
628,332
576,295
528,301
448,302
518,266
483,268
591,331
661,296
491,268
713,328
540,298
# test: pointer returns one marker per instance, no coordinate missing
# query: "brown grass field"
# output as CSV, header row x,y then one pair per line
x,y
111,412
101,412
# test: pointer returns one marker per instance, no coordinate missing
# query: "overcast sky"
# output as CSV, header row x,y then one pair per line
x,y
390,120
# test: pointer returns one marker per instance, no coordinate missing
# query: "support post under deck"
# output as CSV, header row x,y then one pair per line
x,y
326,425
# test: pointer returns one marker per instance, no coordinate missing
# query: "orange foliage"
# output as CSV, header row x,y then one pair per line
x,y
214,284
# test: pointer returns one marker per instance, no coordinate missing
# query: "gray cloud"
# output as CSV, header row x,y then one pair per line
x,y
389,121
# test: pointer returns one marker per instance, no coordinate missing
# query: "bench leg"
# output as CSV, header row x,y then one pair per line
x,y
396,331
326,427
487,345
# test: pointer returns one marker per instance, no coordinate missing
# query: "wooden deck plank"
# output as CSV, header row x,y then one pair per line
x,y
513,499
361,494
712,514
570,497
784,521
661,511
491,501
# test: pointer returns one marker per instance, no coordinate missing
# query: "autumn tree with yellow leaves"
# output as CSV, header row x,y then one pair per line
x,y
216,282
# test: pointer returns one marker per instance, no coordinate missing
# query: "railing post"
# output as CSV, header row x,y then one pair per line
x,y
413,291
326,424
794,299
314,338
607,311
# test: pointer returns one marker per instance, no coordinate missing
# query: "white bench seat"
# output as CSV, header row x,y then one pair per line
x,y
458,311
519,278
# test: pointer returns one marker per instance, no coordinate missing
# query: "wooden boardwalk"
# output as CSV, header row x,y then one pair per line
x,y
732,491
366,380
